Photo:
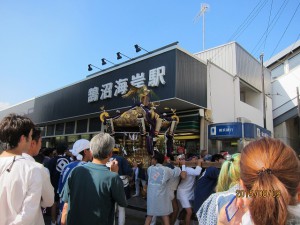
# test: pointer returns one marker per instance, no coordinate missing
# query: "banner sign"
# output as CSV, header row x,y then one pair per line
x,y
254,131
225,130
234,130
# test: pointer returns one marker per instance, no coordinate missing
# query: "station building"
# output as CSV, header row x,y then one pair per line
x,y
217,94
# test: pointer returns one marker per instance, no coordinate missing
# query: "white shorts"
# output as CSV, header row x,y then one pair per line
x,y
185,202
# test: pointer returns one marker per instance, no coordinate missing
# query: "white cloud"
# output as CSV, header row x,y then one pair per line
x,y
4,105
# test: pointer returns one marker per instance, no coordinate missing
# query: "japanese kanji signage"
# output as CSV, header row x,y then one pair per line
x,y
174,76
236,130
255,131
120,86
225,130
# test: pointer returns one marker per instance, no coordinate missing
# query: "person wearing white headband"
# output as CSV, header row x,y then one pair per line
x,y
81,148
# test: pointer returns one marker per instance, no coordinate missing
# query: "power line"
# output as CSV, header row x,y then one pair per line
x,y
292,48
238,29
267,32
253,17
257,9
268,25
245,24
286,29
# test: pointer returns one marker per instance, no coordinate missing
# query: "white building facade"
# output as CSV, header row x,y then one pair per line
x,y
235,97
285,75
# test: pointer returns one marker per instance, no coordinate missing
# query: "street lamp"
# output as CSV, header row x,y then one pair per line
x,y
138,48
119,56
104,61
90,67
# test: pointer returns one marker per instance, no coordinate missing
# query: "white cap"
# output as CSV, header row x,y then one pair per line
x,y
79,146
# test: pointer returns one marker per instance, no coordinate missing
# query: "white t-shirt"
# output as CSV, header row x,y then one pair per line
x,y
20,191
185,188
47,188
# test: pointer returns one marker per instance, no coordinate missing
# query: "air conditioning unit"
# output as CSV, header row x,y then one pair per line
x,y
243,120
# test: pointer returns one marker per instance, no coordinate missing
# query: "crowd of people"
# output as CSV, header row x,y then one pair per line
x,y
91,182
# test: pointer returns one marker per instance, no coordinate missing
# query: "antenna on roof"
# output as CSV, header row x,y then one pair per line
x,y
204,8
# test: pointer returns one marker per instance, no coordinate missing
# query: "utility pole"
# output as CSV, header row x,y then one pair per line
x,y
263,88
298,101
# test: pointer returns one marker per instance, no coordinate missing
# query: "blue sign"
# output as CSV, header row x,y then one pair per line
x,y
225,130
234,130
254,131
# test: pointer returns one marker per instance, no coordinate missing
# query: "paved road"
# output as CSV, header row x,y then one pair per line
x,y
135,213
133,217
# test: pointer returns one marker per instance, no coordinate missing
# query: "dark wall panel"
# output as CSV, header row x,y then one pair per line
x,y
191,79
182,70
72,101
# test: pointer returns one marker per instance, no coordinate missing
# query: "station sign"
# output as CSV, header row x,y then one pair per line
x,y
155,77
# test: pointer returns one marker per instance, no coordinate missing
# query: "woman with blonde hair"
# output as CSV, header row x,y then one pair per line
x,y
230,173
227,185
270,176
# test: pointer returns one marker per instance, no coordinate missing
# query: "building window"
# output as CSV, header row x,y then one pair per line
x,y
59,129
81,126
43,131
277,71
95,124
50,130
70,127
294,61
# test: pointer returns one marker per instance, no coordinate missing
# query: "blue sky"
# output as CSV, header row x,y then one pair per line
x,y
46,45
